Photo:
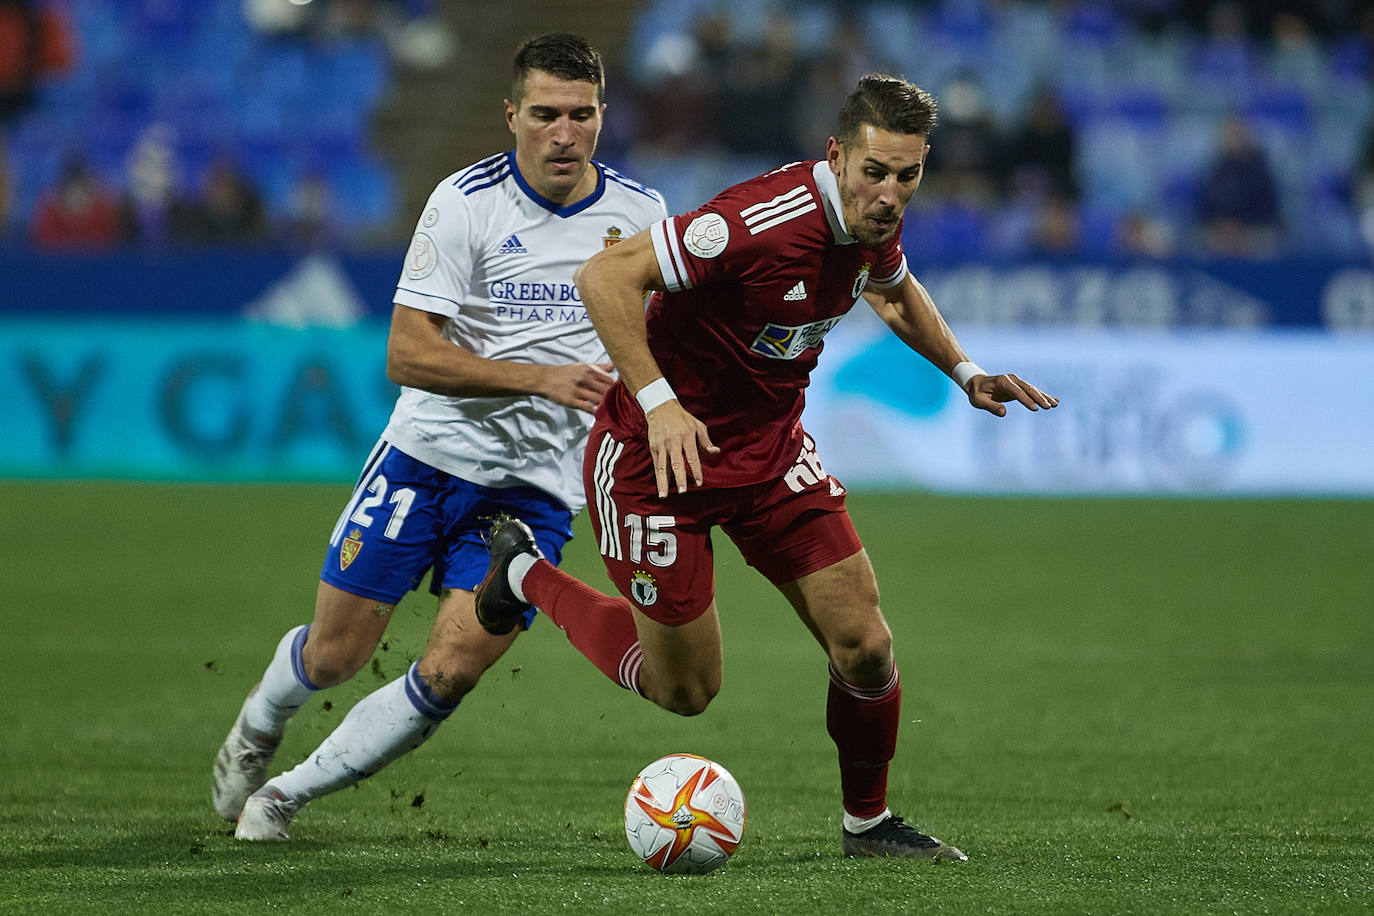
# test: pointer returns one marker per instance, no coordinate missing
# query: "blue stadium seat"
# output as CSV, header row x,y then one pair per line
x,y
365,193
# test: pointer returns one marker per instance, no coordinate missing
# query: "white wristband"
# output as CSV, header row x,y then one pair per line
x,y
965,371
655,393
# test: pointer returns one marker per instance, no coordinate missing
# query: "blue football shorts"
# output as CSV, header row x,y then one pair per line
x,y
406,517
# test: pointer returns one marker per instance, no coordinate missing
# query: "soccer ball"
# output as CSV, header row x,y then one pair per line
x,y
684,815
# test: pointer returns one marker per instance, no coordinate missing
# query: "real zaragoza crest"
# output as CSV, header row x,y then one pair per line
x,y
349,549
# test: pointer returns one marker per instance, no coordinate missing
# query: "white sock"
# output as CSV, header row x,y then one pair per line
x,y
284,687
515,573
860,824
385,725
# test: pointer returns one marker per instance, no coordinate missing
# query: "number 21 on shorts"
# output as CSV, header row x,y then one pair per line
x,y
376,495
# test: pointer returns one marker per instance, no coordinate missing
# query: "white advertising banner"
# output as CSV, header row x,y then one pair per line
x,y
1187,412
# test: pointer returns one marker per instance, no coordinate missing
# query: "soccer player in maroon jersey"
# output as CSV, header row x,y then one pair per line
x,y
704,429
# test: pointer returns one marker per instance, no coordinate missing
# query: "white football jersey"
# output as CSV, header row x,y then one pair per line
x,y
496,259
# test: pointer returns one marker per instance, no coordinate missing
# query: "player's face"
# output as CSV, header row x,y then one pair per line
x,y
556,127
877,172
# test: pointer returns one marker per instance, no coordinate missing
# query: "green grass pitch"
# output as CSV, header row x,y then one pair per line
x,y
1111,705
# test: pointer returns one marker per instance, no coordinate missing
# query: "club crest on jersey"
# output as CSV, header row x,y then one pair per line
x,y
781,341
862,279
707,235
350,548
422,257
642,588
611,237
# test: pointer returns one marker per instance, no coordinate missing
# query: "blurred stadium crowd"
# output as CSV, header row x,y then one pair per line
x,y
1068,128
165,122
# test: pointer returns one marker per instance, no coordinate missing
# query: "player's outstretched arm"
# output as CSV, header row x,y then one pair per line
x,y
911,314
419,356
612,286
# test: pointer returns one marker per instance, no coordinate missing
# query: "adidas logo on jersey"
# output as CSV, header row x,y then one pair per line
x,y
796,293
512,245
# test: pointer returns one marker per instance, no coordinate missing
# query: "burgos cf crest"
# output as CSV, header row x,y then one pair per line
x,y
350,548
611,237
642,588
862,279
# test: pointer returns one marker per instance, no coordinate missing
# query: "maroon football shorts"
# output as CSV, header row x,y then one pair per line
x,y
658,551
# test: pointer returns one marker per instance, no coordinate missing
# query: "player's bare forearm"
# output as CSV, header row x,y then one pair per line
x,y
911,314
612,286
419,356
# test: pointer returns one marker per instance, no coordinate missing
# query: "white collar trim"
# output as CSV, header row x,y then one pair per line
x,y
830,197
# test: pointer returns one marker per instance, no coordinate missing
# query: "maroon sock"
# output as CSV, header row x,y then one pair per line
x,y
862,722
600,627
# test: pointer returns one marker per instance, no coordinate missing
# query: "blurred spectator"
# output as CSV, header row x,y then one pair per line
x,y
1058,228
1226,56
275,18
759,83
1040,157
35,41
967,160
229,209
309,220
4,189
415,36
1239,202
1139,234
1364,190
153,213
1353,54
78,214
19,40
828,78
677,107
1297,59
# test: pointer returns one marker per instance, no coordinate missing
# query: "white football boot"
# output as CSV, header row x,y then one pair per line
x,y
266,815
241,766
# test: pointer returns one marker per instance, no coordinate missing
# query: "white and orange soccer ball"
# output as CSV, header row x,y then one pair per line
x,y
684,815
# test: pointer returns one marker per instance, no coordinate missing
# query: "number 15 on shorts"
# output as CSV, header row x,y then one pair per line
x,y
649,539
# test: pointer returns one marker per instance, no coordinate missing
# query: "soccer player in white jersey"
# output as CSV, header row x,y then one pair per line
x,y
501,370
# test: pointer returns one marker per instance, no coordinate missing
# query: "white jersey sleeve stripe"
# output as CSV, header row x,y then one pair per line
x,y
669,253
889,282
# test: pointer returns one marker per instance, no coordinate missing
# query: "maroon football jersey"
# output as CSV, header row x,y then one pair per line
x,y
755,279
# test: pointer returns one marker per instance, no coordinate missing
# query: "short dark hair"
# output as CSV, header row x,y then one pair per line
x,y
563,54
888,103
